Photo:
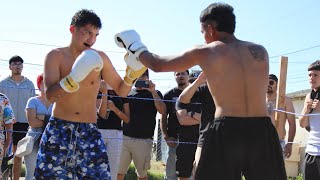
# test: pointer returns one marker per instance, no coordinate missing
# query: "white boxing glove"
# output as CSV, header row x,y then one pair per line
x,y
134,69
130,40
87,61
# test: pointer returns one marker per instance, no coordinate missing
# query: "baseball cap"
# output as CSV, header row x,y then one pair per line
x,y
194,75
273,77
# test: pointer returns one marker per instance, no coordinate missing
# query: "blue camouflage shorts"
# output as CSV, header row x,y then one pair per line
x,y
70,150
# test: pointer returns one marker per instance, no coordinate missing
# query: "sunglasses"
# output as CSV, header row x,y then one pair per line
x,y
271,82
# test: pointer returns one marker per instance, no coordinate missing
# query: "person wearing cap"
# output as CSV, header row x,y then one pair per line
x,y
194,75
38,110
271,104
18,89
110,117
142,107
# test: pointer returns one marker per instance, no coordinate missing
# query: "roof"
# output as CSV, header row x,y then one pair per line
x,y
298,94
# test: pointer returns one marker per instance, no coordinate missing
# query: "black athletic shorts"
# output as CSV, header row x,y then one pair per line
x,y
311,168
185,157
241,146
17,136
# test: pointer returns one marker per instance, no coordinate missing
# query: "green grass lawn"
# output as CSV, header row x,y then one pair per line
x,y
155,173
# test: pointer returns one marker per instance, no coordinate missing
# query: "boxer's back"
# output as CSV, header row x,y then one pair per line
x,y
237,74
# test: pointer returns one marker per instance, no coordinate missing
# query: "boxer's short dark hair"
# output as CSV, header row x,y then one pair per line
x,y
84,17
221,14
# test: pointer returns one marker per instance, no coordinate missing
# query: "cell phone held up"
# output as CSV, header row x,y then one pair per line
x,y
142,84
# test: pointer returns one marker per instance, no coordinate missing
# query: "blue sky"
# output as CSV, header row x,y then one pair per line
x,y
166,27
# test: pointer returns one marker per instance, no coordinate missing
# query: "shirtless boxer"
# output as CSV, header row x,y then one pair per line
x,y
71,146
242,139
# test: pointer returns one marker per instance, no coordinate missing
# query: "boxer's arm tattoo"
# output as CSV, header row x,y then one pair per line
x,y
258,52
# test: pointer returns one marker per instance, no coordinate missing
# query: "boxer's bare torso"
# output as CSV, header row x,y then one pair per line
x,y
237,75
236,71
79,106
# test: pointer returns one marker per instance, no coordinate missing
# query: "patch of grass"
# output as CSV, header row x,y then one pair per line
x,y
299,177
155,173
23,170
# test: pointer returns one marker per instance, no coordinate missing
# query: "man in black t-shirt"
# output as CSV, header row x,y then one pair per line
x,y
196,92
170,124
142,107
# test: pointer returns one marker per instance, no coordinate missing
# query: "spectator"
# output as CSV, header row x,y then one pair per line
x,y
170,124
271,101
38,111
6,121
18,89
200,87
311,164
189,116
110,118
138,132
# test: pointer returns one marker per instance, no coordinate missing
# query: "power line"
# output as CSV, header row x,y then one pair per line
x,y
31,43
24,63
297,51
271,57
49,45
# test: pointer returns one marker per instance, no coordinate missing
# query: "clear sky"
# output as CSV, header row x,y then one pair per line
x,y
166,27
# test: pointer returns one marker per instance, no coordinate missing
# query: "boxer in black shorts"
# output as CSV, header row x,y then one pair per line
x,y
234,146
237,76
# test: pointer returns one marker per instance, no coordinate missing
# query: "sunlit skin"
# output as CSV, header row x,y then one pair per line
x,y
35,120
181,78
16,68
314,80
220,53
290,118
58,65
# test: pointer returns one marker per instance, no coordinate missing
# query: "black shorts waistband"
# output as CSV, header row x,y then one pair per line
x,y
232,118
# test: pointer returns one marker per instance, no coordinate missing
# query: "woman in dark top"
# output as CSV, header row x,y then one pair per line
x,y
110,117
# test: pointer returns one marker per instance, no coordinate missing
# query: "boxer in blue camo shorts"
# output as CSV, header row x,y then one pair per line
x,y
70,150
71,146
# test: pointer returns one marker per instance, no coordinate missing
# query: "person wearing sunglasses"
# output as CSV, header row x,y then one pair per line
x,y
271,104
